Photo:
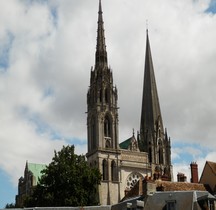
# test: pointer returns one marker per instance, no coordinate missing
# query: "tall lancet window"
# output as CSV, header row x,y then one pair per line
x,y
105,169
114,171
93,135
150,153
106,96
160,153
101,96
161,156
107,127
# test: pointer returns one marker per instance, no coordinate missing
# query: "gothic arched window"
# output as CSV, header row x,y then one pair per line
x,y
107,127
114,171
105,169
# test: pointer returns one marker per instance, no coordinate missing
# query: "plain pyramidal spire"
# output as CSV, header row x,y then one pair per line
x,y
150,111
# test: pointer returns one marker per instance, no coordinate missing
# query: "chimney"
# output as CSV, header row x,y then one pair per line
x,y
181,177
194,172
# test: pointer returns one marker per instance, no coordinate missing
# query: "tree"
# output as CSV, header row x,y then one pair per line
x,y
66,181
10,206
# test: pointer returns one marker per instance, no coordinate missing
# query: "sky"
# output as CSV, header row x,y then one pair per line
x,y
47,49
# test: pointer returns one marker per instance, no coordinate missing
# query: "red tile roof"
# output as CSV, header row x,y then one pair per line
x,y
165,186
180,186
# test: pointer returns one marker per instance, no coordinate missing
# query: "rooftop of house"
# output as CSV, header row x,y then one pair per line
x,y
179,186
212,165
159,185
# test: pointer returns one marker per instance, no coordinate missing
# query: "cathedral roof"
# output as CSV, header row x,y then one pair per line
x,y
129,144
125,144
35,169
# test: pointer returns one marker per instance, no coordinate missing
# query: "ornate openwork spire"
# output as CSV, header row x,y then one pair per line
x,y
101,54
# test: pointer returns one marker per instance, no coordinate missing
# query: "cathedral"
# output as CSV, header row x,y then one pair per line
x,y
146,155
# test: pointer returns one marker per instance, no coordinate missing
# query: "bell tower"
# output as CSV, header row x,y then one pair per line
x,y
102,121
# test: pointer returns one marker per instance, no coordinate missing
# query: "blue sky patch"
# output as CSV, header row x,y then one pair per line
x,y
188,151
52,8
54,13
212,7
5,48
48,92
6,197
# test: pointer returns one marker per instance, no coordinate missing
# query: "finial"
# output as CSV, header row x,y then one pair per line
x,y
133,131
147,26
100,7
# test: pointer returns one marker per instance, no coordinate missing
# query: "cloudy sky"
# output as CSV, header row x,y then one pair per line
x,y
46,52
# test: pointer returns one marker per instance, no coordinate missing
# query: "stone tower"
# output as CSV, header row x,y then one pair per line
x,y
122,165
102,121
153,138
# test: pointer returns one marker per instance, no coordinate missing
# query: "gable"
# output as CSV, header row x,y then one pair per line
x,y
125,144
208,176
212,165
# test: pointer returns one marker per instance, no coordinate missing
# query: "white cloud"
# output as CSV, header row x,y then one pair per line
x,y
49,69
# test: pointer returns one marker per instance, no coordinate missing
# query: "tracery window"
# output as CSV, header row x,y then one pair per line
x,y
132,179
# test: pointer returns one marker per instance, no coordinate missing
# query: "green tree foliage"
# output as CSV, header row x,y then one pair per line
x,y
10,206
67,181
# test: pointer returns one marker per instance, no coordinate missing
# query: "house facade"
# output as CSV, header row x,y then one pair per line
x,y
166,195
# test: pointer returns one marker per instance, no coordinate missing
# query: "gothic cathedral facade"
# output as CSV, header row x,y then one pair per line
x,y
122,165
